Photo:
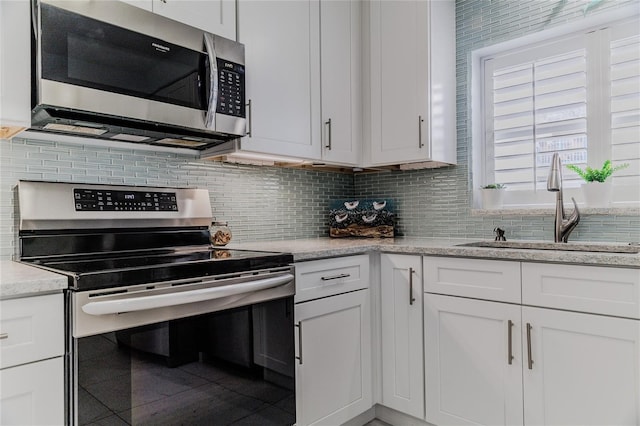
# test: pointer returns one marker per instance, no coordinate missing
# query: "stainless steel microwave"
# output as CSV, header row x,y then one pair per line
x,y
109,70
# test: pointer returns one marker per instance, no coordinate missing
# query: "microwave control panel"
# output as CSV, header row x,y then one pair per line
x,y
230,89
114,200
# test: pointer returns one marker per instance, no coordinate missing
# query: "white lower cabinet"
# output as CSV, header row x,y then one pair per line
x,y
33,394
473,369
585,369
333,375
401,314
333,346
496,363
31,360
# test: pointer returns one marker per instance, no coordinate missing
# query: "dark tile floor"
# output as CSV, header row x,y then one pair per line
x,y
119,387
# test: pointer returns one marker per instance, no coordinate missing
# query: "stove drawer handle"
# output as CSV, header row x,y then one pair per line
x,y
107,307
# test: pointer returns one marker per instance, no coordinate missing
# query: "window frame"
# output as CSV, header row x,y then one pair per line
x,y
480,148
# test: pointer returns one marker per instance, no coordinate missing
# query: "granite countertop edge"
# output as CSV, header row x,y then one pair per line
x,y
319,248
20,280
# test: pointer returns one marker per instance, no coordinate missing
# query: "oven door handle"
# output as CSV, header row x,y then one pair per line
x,y
107,307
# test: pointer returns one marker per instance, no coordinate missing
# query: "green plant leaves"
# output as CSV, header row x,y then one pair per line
x,y
596,175
494,186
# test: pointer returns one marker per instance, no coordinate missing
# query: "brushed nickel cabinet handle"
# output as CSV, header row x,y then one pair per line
x,y
328,145
335,277
4,336
420,121
411,298
299,358
529,358
510,343
249,126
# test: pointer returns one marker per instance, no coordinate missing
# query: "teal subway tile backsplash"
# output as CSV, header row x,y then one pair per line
x,y
260,203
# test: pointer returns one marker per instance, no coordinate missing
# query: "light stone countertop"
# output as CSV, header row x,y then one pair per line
x,y
318,248
18,279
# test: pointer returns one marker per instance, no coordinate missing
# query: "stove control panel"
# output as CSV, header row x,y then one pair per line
x,y
115,200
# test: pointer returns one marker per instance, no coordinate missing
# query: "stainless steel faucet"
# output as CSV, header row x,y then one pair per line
x,y
563,225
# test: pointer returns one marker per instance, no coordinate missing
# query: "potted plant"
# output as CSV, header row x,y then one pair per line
x,y
597,189
492,195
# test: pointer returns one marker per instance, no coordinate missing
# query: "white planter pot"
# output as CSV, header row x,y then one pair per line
x,y
492,198
597,194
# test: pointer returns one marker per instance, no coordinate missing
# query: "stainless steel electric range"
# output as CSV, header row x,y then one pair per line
x,y
162,328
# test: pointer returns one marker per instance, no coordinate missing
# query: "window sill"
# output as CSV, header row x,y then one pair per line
x,y
544,211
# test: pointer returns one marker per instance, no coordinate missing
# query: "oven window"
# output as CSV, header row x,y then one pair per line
x,y
229,368
89,53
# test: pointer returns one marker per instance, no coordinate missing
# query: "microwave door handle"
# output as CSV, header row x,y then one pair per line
x,y
210,116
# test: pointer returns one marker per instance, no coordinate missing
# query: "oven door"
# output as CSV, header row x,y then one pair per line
x,y
225,360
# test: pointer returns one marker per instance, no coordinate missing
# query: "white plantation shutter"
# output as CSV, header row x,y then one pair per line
x,y
579,96
625,105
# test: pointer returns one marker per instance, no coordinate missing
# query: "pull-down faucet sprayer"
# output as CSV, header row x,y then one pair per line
x,y
563,225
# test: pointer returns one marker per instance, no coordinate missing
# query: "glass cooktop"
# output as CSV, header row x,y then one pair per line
x,y
130,269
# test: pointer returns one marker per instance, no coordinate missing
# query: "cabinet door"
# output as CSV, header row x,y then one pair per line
x,y
473,361
33,394
214,16
15,67
413,111
401,313
333,374
399,76
585,369
282,54
340,46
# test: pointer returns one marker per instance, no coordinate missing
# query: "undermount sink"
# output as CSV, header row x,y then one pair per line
x,y
540,245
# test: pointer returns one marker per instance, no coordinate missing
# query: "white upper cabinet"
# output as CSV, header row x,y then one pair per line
x,y
340,48
15,66
282,55
412,81
303,82
215,16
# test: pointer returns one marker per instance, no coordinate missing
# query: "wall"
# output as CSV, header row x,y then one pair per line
x,y
260,203
437,202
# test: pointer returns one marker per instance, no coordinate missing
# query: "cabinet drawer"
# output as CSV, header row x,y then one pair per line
x,y
33,394
482,279
32,329
594,289
327,277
